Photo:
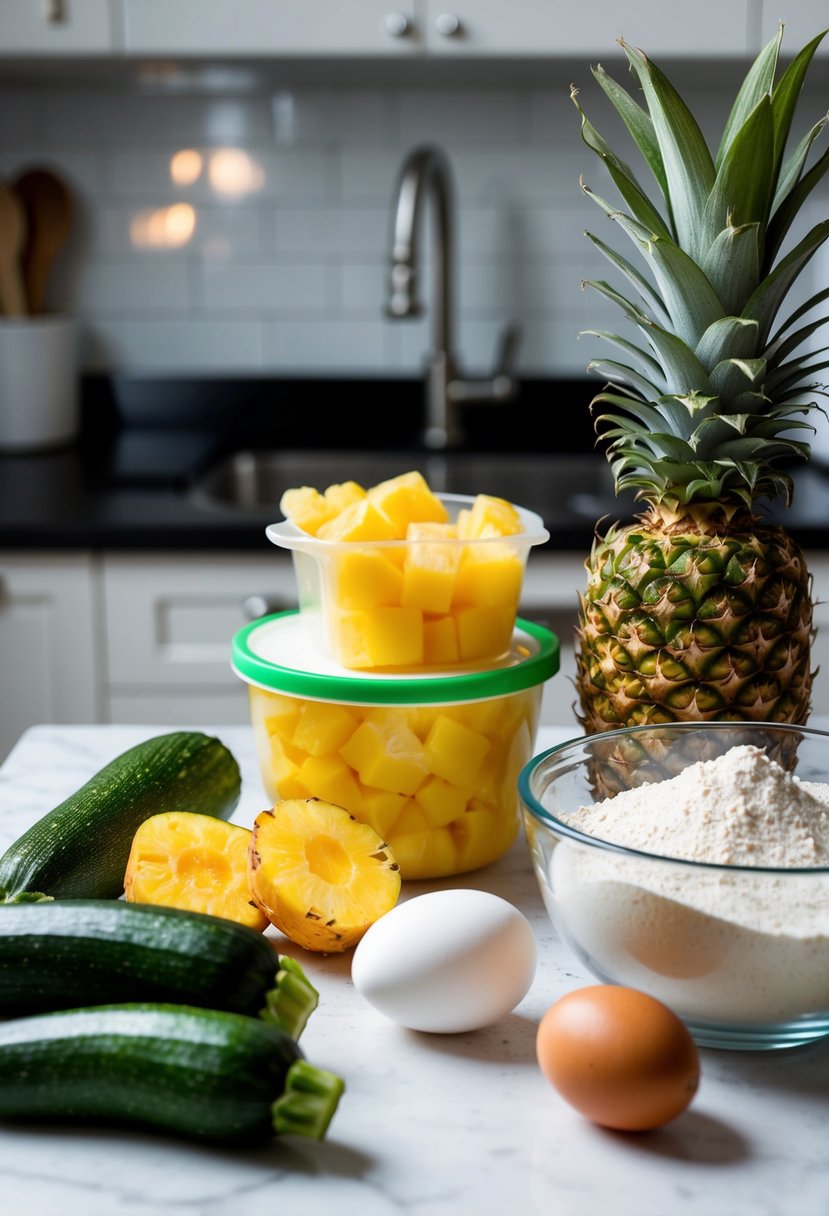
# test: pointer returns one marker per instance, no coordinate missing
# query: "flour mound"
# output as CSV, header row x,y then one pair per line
x,y
740,809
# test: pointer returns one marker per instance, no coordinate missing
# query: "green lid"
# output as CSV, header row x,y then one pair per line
x,y
274,653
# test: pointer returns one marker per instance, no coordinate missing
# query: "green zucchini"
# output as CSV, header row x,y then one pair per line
x,y
64,953
81,848
200,1073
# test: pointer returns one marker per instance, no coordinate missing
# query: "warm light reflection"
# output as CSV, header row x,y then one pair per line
x,y
186,167
232,171
166,228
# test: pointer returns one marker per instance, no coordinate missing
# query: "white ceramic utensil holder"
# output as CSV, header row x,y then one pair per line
x,y
38,383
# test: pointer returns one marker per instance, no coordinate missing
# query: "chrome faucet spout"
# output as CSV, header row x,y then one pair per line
x,y
426,170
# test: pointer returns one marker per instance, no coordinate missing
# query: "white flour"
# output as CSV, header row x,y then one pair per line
x,y
728,945
740,809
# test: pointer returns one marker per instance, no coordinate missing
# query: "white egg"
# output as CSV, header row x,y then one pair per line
x,y
446,962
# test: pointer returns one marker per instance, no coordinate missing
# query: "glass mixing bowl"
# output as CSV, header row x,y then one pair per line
x,y
740,953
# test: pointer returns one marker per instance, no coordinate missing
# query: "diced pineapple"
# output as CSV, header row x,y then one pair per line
x,y
381,808
430,567
441,801
481,836
281,777
330,778
440,641
321,876
427,854
343,494
365,579
492,516
180,859
361,521
407,499
489,576
483,632
386,753
379,637
322,727
454,752
412,818
306,508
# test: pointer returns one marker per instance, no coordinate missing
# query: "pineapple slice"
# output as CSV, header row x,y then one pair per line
x,y
180,859
320,875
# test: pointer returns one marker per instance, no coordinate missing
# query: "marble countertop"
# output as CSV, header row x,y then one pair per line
x,y
430,1125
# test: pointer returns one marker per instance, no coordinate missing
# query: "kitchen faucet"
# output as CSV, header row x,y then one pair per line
x,y
427,168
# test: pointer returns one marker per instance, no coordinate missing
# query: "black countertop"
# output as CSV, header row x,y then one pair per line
x,y
129,482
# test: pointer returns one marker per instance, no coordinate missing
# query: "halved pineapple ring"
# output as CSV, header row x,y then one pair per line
x,y
320,875
181,859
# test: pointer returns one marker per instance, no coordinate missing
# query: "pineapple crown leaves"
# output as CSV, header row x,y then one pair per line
x,y
714,285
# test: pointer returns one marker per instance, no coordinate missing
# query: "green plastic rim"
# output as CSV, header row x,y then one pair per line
x,y
405,690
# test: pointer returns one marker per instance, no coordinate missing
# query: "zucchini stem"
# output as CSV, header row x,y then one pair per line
x,y
292,999
308,1102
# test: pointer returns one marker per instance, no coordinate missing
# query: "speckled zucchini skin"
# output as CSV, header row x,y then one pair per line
x,y
80,849
65,953
193,1072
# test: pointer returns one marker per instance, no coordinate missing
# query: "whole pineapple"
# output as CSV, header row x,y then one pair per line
x,y
700,610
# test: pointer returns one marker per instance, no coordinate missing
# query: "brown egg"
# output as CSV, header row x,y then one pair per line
x,y
620,1057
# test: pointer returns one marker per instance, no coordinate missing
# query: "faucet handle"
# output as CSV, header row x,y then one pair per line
x,y
501,386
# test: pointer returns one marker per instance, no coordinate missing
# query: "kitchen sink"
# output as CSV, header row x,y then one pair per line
x,y
565,488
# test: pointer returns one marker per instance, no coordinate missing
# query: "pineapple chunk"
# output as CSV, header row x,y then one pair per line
x,y
329,777
365,579
386,753
483,632
306,508
320,875
453,751
322,727
440,641
359,521
441,801
490,516
343,494
379,637
179,859
407,499
490,576
430,567
481,835
426,854
381,808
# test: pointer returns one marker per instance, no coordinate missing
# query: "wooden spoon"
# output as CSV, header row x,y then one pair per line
x,y
47,201
12,242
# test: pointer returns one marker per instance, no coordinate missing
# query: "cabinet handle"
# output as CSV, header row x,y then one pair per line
x,y
397,24
55,11
256,606
447,24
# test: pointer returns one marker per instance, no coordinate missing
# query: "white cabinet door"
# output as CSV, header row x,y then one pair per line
x,y
170,620
50,643
56,27
803,21
270,27
550,27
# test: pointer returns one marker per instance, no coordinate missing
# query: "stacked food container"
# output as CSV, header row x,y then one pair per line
x,y
405,688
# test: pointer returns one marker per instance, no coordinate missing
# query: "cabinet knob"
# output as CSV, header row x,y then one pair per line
x,y
447,24
256,606
397,24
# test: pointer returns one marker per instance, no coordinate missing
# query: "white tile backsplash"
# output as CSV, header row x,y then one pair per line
x,y
280,263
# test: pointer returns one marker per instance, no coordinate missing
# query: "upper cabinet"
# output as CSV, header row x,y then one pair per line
x,y
270,28
802,21
551,27
57,27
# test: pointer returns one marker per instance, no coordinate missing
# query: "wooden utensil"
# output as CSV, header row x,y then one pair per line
x,y
12,242
47,201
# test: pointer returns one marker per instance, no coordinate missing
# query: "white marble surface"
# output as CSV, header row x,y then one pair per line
x,y
429,1125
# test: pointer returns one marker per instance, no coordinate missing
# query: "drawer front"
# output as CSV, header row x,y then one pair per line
x,y
170,621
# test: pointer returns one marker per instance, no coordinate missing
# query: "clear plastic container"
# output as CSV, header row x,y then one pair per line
x,y
430,761
400,605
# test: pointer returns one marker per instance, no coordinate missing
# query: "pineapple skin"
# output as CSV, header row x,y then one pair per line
x,y
704,615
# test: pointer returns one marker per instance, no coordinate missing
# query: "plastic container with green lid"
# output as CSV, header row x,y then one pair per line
x,y
429,760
